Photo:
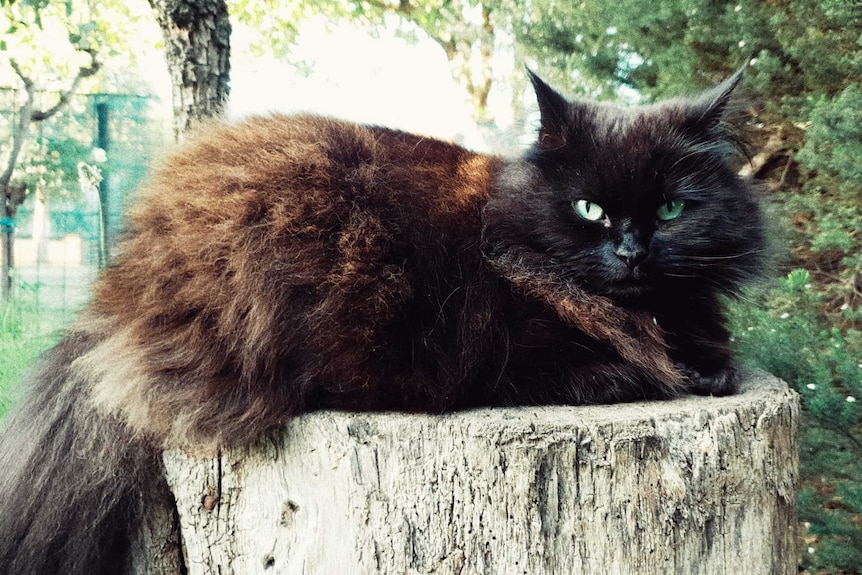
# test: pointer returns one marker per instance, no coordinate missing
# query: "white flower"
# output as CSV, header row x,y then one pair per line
x,y
811,550
811,386
785,315
851,399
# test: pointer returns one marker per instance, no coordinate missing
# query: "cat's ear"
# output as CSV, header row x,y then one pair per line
x,y
705,112
553,110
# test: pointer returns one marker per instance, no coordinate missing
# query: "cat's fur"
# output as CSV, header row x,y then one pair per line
x,y
288,264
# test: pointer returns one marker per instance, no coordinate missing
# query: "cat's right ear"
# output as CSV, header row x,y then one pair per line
x,y
553,110
706,112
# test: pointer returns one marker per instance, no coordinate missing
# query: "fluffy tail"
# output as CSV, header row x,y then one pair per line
x,y
72,480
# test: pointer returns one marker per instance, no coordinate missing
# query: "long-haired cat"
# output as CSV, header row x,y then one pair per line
x,y
288,264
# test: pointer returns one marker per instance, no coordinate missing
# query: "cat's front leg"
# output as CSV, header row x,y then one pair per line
x,y
722,381
701,348
707,364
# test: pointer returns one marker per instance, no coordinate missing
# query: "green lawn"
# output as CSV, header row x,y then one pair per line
x,y
26,331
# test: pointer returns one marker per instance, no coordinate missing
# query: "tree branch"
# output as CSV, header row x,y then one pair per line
x,y
65,96
18,136
28,83
27,114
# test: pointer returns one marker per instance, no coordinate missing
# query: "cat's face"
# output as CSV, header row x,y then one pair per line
x,y
630,202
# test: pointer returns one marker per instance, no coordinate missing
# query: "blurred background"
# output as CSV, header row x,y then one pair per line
x,y
87,103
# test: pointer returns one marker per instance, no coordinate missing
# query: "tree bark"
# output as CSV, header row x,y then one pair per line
x,y
691,486
197,50
156,548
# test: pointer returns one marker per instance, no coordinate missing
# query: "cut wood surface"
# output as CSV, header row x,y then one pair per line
x,y
696,485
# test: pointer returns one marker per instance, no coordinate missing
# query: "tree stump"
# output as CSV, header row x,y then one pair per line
x,y
691,486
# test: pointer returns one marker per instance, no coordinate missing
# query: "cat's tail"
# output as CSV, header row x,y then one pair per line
x,y
72,479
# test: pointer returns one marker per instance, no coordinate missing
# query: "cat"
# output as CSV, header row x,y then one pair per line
x,y
287,264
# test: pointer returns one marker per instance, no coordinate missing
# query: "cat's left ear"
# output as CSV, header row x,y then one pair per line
x,y
553,110
705,112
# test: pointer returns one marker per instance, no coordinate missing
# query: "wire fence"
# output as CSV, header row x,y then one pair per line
x,y
58,228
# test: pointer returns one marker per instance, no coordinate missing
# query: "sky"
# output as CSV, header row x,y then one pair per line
x,y
384,80
381,78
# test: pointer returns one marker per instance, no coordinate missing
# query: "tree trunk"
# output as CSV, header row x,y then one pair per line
x,y
12,195
156,547
692,486
197,50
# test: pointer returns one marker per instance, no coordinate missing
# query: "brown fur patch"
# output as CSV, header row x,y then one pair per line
x,y
634,334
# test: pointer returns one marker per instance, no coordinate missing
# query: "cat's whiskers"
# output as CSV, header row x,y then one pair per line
x,y
680,275
726,257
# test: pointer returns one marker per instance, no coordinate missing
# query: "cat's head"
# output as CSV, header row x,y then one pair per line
x,y
629,202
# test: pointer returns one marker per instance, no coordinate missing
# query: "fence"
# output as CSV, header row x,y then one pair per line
x,y
58,228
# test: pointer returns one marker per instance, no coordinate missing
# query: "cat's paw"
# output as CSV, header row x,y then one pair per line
x,y
724,381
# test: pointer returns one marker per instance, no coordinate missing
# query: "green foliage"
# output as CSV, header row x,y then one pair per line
x,y
49,40
784,332
797,48
47,37
829,202
25,332
275,22
833,143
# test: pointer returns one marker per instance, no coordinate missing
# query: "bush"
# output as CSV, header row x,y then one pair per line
x,y
830,205
783,331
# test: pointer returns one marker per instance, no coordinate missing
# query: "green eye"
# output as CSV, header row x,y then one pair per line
x,y
670,210
588,210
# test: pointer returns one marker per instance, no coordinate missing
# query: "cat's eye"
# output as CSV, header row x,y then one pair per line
x,y
588,210
670,210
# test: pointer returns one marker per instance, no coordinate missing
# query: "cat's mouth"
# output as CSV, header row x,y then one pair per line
x,y
631,285
628,290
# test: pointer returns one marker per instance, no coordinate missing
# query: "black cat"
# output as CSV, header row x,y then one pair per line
x,y
295,263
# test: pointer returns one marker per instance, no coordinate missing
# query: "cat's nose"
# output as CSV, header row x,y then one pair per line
x,y
631,254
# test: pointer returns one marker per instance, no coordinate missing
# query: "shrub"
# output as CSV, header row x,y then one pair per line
x,y
784,331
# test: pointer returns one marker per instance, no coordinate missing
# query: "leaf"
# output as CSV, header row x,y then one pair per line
x,y
797,280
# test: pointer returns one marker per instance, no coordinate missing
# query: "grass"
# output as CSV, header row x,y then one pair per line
x,y
26,330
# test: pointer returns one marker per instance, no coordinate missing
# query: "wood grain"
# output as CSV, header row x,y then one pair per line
x,y
691,486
